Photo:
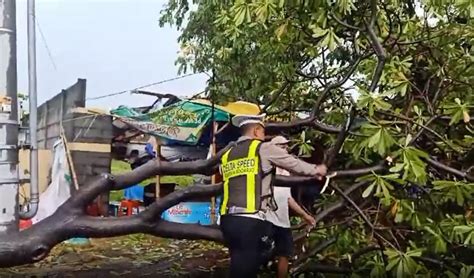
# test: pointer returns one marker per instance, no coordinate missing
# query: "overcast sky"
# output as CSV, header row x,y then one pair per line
x,y
115,44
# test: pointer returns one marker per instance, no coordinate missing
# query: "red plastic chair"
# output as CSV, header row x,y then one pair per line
x,y
127,207
25,224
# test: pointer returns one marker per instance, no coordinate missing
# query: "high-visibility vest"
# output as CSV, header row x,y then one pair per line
x,y
242,175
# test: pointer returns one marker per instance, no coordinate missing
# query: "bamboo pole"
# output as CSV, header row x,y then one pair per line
x,y
157,147
213,178
69,157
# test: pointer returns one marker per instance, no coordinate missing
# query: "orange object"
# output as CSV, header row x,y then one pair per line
x,y
25,224
127,206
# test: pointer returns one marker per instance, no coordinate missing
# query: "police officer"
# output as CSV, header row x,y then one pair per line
x,y
248,170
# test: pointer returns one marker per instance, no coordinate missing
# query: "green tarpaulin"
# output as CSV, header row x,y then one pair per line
x,y
183,121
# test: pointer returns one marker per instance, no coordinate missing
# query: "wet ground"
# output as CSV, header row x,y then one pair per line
x,y
129,256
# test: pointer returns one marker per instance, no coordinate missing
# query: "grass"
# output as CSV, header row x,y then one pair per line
x,y
120,167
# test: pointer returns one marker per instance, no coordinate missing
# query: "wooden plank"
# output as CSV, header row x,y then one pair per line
x,y
90,147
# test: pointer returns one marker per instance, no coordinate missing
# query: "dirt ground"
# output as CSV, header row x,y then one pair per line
x,y
129,256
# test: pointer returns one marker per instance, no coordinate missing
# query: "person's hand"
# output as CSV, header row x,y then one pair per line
x,y
310,220
321,170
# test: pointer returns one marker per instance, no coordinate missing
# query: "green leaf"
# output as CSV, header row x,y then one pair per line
x,y
242,13
415,253
334,41
441,246
397,168
384,185
469,239
459,197
399,217
368,190
280,31
450,274
375,139
463,229
392,263
318,32
466,271
429,230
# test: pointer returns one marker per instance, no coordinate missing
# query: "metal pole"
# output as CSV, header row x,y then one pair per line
x,y
8,119
33,119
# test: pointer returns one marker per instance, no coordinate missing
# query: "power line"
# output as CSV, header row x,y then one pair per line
x,y
144,86
43,38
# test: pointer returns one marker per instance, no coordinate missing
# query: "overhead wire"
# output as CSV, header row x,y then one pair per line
x,y
144,86
48,50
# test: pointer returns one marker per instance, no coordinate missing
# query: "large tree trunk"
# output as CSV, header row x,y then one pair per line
x,y
70,220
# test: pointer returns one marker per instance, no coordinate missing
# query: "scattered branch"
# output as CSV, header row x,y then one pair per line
x,y
312,267
362,252
320,247
354,205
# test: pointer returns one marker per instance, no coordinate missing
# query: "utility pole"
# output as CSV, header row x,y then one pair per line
x,y
9,180
33,115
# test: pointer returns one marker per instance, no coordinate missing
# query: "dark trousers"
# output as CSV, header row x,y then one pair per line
x,y
247,240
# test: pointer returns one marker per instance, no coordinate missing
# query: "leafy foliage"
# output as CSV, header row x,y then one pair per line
x,y
408,67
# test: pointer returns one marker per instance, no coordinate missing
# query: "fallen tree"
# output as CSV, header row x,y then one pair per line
x,y
406,71
70,220
403,192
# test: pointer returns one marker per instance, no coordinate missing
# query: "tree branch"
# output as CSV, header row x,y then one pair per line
x,y
438,165
362,252
354,205
420,132
334,85
155,167
341,136
338,205
345,24
323,245
69,221
313,267
377,46
422,126
286,86
289,181
277,127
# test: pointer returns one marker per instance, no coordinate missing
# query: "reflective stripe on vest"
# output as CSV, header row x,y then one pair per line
x,y
248,167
